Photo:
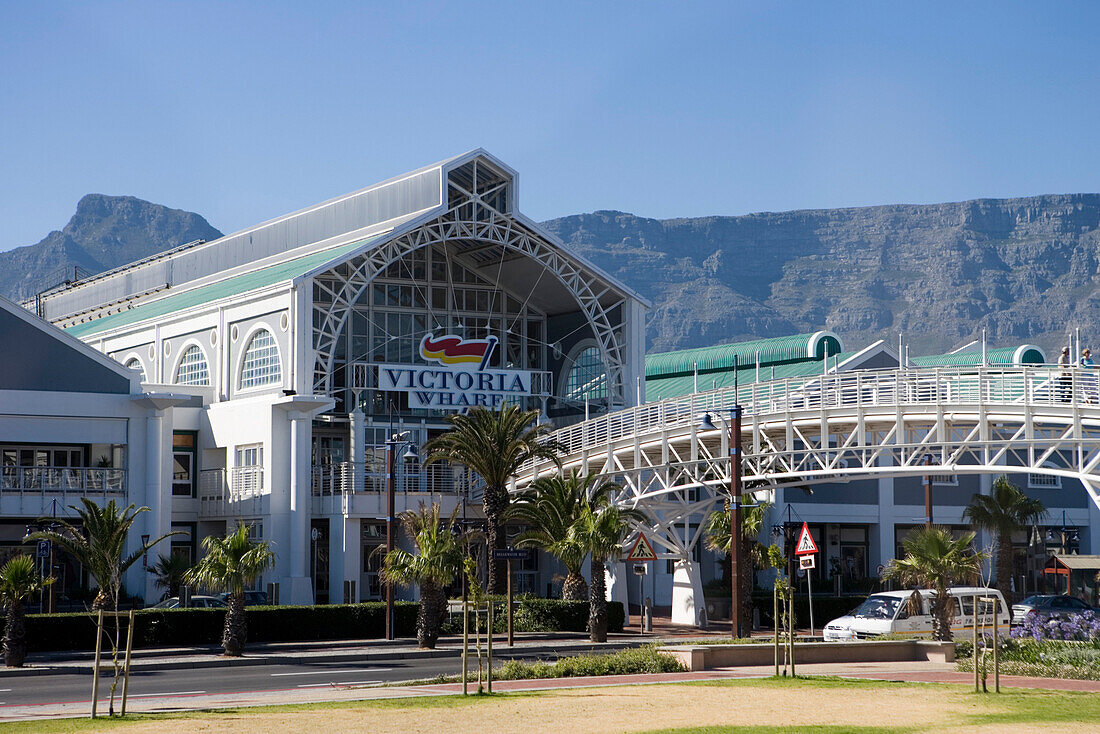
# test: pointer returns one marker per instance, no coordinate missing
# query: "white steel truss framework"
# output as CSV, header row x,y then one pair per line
x,y
475,229
838,427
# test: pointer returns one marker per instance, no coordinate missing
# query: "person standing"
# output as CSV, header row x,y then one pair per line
x,y
1065,376
1088,379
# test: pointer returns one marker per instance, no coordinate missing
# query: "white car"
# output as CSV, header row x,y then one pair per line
x,y
888,613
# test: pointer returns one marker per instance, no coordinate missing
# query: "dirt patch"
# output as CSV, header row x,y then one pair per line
x,y
613,711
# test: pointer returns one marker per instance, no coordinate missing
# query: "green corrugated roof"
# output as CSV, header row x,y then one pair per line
x,y
774,351
660,388
215,291
999,357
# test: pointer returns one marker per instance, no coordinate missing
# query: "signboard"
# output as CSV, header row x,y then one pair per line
x,y
807,561
641,551
456,377
640,569
511,554
805,542
42,550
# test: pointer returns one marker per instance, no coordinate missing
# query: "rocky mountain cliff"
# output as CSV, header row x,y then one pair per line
x,y
1023,269
105,232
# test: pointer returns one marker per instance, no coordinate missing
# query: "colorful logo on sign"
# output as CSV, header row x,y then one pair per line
x,y
453,350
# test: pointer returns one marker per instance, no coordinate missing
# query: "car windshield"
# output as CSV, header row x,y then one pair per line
x,y
878,607
1035,601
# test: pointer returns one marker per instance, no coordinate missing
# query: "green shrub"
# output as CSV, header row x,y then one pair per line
x,y
533,614
185,627
624,662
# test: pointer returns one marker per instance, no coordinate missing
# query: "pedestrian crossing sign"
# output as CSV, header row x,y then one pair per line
x,y
641,551
805,542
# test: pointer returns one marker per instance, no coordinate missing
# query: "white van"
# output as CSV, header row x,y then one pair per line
x,y
887,612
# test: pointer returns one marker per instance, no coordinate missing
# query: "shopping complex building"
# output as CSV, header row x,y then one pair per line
x,y
267,373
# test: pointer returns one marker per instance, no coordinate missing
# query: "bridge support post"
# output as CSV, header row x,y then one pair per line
x,y
616,582
688,606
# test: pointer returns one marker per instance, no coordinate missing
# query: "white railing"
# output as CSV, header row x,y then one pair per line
x,y
1041,385
77,481
234,491
337,479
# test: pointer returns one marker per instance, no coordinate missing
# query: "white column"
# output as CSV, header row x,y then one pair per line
x,y
345,549
154,498
358,449
300,584
617,579
688,606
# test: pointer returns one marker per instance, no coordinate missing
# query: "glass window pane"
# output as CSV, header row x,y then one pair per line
x,y
261,361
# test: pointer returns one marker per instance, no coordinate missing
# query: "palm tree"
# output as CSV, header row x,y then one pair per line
x,y
170,571
717,533
494,444
1002,512
232,564
19,579
98,542
933,559
600,528
438,559
550,506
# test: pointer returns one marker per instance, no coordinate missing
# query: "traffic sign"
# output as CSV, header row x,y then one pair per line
x,y
805,542
511,554
43,549
640,569
807,561
642,551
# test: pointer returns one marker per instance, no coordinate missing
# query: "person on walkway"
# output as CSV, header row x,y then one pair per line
x,y
1088,379
1065,377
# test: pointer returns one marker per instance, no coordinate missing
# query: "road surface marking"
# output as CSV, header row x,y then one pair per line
x,y
329,672
341,683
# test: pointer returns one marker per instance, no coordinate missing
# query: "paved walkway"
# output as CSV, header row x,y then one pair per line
x,y
913,672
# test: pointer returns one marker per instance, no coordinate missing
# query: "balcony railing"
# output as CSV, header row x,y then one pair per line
x,y
235,491
62,480
338,479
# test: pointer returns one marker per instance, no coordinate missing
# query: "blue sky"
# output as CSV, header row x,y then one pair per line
x,y
244,111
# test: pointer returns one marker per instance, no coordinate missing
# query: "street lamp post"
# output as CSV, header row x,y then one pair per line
x,y
707,423
395,441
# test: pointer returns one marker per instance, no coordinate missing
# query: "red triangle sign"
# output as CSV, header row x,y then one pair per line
x,y
806,543
642,551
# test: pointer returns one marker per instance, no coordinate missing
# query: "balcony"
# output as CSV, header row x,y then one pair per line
x,y
359,489
39,490
236,492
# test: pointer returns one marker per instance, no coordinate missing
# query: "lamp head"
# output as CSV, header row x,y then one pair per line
x,y
706,423
410,453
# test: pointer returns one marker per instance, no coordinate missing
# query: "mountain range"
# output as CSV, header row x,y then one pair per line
x,y
1024,270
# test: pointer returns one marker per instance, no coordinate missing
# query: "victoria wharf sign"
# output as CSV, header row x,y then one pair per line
x,y
456,376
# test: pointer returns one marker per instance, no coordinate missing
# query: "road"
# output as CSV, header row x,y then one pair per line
x,y
47,690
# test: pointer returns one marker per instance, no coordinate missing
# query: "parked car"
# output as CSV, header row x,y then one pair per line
x,y
251,598
1048,606
888,613
197,602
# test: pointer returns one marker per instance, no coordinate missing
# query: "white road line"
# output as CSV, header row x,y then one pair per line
x,y
340,683
5,690
153,696
329,672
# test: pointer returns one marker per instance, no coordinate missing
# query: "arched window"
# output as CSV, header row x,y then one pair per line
x,y
587,377
135,364
192,369
261,361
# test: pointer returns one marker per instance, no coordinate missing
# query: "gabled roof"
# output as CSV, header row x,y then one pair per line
x,y
41,357
234,286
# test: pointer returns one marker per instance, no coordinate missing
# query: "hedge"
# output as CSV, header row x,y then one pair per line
x,y
533,614
186,627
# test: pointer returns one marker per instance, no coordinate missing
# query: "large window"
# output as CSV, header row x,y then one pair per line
x,y
192,369
183,463
261,361
587,377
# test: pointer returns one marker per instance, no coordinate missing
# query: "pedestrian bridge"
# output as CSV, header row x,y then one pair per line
x,y
837,427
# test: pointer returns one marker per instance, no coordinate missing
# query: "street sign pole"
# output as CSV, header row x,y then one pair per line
x,y
810,597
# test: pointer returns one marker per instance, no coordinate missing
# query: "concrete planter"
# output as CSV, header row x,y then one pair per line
x,y
708,657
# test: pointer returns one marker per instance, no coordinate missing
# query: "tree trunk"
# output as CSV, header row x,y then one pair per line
x,y
103,601
941,615
235,633
1004,566
15,636
597,603
574,587
495,503
429,616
